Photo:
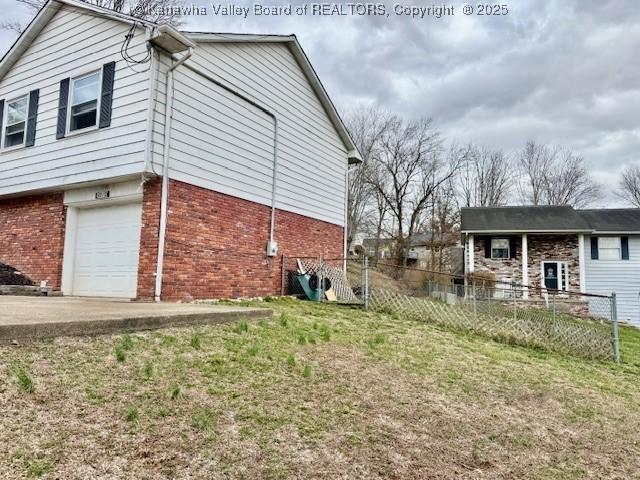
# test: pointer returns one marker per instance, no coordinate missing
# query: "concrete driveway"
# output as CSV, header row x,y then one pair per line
x,y
30,318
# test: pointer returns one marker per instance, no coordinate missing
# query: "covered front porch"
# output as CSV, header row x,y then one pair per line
x,y
536,262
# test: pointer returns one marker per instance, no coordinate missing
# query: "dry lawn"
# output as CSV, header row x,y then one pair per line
x,y
319,392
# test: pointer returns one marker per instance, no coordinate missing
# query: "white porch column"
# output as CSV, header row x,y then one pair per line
x,y
525,266
470,256
583,279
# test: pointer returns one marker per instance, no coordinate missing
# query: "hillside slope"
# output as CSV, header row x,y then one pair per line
x,y
320,392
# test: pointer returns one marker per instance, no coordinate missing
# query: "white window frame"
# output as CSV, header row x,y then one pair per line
x,y
72,83
618,248
508,249
5,114
562,266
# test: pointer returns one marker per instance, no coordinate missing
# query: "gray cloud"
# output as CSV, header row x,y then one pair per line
x,y
563,72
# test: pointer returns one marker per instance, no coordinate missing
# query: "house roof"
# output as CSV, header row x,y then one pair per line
x,y
548,219
51,7
613,220
524,219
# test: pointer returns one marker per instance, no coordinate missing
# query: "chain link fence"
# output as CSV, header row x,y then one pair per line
x,y
569,322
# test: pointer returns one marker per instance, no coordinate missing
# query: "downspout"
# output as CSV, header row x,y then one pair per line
x,y
346,218
164,201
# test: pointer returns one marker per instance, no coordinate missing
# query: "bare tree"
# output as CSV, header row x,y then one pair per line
x,y
366,125
486,176
159,11
408,171
555,176
630,185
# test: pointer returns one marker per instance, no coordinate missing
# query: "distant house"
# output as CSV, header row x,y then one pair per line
x,y
139,161
438,252
559,248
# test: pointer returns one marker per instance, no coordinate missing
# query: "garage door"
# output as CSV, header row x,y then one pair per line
x,y
107,247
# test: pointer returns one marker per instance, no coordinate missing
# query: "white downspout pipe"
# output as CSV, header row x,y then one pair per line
x,y
164,200
346,217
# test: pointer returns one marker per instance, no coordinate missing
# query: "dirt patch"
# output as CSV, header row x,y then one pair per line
x,y
12,276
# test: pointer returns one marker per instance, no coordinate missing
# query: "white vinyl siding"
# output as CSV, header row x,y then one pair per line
x,y
221,142
620,276
72,44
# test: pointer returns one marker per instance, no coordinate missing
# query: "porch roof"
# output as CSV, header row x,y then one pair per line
x,y
523,219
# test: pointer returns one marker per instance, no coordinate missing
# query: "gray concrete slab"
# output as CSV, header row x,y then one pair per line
x,y
30,318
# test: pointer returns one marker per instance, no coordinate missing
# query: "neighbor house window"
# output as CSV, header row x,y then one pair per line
x,y
609,248
499,248
16,122
85,91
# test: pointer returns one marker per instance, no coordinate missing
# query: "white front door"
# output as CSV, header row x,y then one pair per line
x,y
555,275
106,251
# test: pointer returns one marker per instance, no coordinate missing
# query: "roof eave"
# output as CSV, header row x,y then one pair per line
x,y
490,232
23,41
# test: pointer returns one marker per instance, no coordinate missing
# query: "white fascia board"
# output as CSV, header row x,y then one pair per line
x,y
500,232
607,232
209,37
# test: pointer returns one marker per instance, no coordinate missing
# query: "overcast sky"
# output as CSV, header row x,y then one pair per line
x,y
562,72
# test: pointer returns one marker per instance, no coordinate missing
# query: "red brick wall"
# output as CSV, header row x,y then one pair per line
x,y
32,236
216,244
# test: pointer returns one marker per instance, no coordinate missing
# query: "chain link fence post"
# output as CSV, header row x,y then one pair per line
x,y
366,283
553,305
515,301
615,334
319,277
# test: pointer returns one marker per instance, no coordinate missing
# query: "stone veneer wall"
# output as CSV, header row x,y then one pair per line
x,y
562,248
540,247
507,268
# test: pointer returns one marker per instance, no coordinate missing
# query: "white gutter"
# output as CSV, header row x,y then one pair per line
x,y
168,116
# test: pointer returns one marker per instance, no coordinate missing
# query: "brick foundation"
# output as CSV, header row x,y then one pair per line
x,y
216,243
32,236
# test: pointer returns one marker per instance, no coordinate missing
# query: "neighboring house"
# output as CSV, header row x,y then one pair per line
x,y
437,252
139,161
386,248
559,248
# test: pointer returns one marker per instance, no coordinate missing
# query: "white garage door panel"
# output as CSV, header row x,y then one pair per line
x,y
107,248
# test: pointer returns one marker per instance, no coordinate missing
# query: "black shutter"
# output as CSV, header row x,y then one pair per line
x,y
63,101
1,116
32,117
487,247
513,246
594,248
108,73
624,245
